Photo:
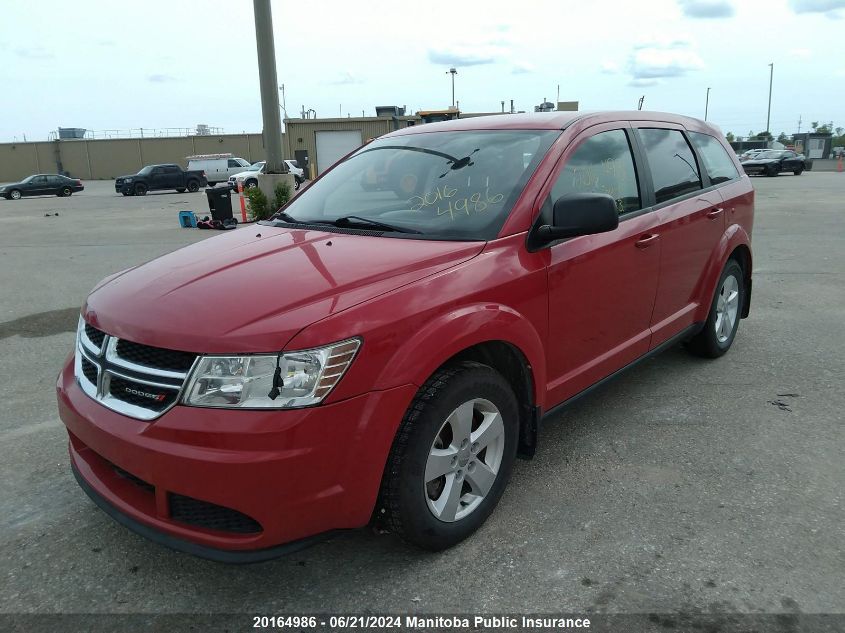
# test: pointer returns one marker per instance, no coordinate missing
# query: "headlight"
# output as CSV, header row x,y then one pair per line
x,y
246,382
127,180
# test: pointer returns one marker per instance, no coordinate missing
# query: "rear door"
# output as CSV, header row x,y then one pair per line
x,y
174,177
601,287
158,178
690,223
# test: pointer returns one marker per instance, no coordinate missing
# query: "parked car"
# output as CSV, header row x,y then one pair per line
x,y
773,161
217,167
388,354
751,153
41,185
249,179
160,177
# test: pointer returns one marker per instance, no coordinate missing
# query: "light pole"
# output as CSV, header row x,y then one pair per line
x,y
771,78
453,72
707,104
269,86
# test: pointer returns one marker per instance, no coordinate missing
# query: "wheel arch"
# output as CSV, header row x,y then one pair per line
x,y
735,243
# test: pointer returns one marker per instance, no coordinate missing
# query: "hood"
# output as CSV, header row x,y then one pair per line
x,y
253,289
761,161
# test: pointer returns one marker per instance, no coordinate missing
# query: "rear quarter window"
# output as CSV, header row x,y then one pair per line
x,y
717,163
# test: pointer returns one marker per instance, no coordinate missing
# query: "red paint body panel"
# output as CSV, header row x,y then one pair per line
x,y
577,311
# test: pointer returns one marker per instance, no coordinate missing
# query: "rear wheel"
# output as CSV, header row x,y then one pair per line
x,y
452,456
193,186
720,329
15,194
140,189
66,192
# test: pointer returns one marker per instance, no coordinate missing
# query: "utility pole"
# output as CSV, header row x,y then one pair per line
x,y
707,104
284,105
269,85
453,72
799,124
771,79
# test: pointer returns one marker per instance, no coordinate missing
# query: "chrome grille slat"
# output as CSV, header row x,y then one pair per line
x,y
132,389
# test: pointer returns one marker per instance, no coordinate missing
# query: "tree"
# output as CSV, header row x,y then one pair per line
x,y
767,136
839,131
730,137
783,138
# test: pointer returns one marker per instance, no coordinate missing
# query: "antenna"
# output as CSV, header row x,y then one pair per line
x,y
640,106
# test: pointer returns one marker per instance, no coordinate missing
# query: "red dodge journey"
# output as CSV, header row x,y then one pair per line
x,y
386,345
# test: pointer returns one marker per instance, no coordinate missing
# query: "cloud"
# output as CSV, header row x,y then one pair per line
x,y
801,53
34,52
108,43
656,60
161,79
463,56
522,68
610,68
707,8
643,83
828,7
345,78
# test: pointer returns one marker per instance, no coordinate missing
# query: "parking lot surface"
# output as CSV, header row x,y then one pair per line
x,y
684,486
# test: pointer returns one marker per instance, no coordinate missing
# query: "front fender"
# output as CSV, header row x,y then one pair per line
x,y
458,330
733,237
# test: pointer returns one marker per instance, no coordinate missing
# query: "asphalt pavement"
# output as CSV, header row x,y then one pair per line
x,y
686,486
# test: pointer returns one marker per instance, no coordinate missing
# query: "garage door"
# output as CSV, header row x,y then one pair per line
x,y
334,145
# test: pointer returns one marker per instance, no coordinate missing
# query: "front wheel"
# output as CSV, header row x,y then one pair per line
x,y
452,456
140,189
720,329
297,183
798,171
15,194
772,171
180,190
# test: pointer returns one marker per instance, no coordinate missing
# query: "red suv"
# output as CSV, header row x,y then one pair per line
x,y
383,348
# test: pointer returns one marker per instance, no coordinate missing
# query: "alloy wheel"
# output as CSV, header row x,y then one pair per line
x,y
727,308
464,460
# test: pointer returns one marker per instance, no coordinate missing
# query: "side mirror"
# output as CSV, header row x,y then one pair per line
x,y
581,214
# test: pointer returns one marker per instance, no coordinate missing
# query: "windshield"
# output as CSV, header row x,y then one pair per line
x,y
769,154
256,166
145,171
27,179
442,185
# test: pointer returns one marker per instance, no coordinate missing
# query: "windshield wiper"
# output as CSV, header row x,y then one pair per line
x,y
284,217
349,220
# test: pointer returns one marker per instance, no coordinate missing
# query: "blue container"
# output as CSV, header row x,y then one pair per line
x,y
187,220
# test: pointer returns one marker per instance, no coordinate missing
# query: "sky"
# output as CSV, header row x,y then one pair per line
x,y
111,65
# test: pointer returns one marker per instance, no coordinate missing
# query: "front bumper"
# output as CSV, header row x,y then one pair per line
x,y
292,474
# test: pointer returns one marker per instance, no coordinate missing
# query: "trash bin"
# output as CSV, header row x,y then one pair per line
x,y
219,202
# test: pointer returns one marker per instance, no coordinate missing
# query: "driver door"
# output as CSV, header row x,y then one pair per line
x,y
602,287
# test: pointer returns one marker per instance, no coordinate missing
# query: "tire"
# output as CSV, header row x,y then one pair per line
x,y
250,184
15,194
211,184
771,172
419,511
66,192
798,172
297,183
180,190
720,328
193,186
140,189
125,193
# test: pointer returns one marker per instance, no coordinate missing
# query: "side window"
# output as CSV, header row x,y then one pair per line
x,y
717,163
673,167
234,163
172,170
40,180
602,164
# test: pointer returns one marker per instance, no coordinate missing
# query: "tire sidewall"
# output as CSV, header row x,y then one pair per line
x,y
420,523
66,191
12,195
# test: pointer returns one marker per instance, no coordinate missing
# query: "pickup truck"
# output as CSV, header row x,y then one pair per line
x,y
158,177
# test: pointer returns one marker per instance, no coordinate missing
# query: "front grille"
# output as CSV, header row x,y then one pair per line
x,y
155,357
210,516
89,370
141,395
94,335
138,381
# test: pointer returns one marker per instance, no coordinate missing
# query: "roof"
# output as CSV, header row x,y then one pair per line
x,y
550,121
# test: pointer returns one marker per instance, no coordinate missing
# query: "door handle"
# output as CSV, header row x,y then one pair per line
x,y
715,213
646,240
